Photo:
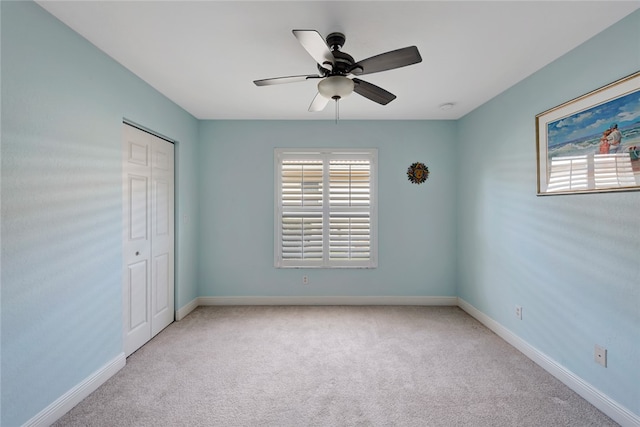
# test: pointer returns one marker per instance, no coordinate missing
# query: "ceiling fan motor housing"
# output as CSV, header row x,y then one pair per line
x,y
343,61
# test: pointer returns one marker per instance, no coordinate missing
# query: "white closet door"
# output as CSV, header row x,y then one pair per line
x,y
148,236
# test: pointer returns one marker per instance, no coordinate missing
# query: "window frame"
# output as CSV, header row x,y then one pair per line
x,y
326,155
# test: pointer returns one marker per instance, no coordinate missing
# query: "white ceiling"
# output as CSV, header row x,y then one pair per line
x,y
204,55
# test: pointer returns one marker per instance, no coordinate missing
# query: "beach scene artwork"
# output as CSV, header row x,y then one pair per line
x,y
580,133
591,143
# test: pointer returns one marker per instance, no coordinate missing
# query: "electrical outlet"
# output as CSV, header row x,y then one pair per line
x,y
305,280
519,312
600,355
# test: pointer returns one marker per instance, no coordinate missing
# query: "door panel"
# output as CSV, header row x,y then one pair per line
x,y
138,207
138,295
138,153
161,285
161,158
161,209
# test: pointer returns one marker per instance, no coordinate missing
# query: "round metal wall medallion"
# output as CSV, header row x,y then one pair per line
x,y
418,173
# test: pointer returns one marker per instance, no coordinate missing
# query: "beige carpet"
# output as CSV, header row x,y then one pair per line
x,y
331,366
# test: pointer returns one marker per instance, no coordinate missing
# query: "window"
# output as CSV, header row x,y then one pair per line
x,y
325,208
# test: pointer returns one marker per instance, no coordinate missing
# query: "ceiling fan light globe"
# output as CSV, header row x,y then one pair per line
x,y
335,87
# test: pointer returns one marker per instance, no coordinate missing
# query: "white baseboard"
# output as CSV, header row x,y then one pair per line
x,y
338,300
182,312
67,401
614,410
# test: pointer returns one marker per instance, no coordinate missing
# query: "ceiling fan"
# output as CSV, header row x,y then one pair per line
x,y
337,68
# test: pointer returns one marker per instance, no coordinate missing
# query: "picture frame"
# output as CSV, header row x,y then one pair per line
x,y
591,144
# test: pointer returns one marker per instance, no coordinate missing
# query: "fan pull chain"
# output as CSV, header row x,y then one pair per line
x,y
337,109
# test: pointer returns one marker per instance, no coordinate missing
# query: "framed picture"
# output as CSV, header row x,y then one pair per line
x,y
592,143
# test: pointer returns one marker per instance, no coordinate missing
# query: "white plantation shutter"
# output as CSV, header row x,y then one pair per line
x,y
301,198
325,208
350,206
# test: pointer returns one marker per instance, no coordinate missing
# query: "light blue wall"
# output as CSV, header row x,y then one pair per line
x,y
416,223
572,262
63,102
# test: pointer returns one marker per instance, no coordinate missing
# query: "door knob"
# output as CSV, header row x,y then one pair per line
x,y
137,253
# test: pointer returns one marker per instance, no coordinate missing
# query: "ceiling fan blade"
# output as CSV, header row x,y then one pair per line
x,y
318,103
387,61
313,43
372,92
288,79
